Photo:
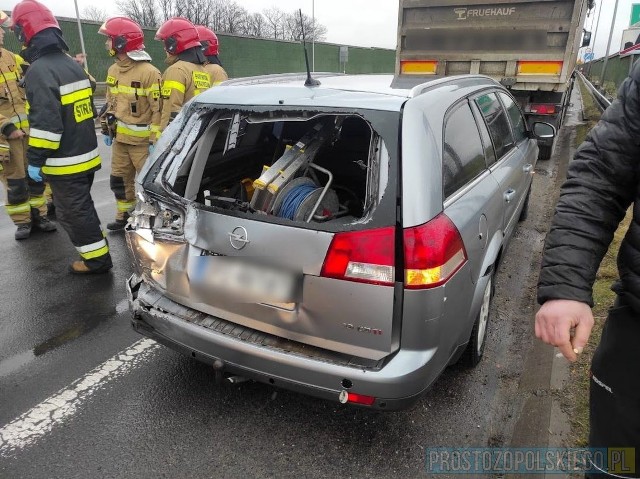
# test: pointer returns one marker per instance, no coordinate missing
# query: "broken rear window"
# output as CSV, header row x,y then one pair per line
x,y
305,167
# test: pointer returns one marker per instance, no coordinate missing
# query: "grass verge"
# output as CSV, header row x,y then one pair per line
x,y
575,399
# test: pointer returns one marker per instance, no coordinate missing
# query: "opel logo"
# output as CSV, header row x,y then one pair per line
x,y
239,238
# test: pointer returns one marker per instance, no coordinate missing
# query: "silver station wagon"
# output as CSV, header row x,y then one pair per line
x,y
338,240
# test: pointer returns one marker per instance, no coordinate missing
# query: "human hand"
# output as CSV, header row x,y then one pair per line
x,y
107,140
151,145
34,173
15,134
555,320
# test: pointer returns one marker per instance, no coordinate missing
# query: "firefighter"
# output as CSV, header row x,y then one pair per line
x,y
131,121
25,202
186,75
209,42
62,142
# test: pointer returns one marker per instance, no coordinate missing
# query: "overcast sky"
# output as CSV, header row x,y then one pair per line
x,y
369,23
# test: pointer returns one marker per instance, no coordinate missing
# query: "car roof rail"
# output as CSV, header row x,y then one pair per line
x,y
417,85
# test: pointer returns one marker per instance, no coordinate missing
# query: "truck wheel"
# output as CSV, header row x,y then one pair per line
x,y
475,347
544,152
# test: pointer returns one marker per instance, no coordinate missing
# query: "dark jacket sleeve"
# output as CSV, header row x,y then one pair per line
x,y
601,184
45,115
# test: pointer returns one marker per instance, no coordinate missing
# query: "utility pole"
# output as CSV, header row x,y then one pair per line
x,y
84,53
606,56
595,37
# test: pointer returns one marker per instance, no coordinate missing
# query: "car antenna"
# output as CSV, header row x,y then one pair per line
x,y
309,81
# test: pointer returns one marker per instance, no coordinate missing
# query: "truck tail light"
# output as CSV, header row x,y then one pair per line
x,y
542,108
418,67
539,68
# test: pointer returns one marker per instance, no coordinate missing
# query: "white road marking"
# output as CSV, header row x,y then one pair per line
x,y
53,411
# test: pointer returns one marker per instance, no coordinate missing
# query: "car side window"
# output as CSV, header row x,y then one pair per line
x,y
497,122
463,156
518,125
489,152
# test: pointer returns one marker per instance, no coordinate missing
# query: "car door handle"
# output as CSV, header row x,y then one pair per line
x,y
528,168
508,195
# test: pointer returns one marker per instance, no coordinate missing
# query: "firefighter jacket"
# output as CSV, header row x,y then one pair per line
x,y
12,96
181,81
133,96
62,140
216,73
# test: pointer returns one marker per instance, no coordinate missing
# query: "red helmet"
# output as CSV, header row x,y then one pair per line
x,y
30,17
178,34
208,39
126,35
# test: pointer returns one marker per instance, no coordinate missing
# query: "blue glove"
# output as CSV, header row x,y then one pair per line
x,y
151,145
34,173
107,140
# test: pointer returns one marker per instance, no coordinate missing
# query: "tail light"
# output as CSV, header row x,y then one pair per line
x,y
433,252
353,398
418,67
362,256
543,108
539,67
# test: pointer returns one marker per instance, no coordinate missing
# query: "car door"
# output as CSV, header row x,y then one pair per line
x,y
524,142
508,168
472,196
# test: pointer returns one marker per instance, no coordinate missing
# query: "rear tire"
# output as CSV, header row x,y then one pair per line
x,y
475,348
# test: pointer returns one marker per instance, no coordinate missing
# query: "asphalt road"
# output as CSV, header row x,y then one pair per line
x,y
82,395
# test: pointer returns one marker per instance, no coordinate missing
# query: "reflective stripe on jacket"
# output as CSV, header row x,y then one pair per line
x,y
133,96
181,81
62,140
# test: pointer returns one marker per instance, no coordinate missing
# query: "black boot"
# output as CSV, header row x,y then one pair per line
x,y
80,267
118,224
51,211
23,231
42,223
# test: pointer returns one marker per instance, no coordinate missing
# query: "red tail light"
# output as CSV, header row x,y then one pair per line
x,y
543,109
363,256
360,399
433,252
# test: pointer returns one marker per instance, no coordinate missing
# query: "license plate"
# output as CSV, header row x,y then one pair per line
x,y
238,280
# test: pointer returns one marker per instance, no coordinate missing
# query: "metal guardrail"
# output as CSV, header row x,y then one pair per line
x,y
602,101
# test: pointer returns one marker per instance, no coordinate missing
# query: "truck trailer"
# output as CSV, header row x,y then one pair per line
x,y
531,47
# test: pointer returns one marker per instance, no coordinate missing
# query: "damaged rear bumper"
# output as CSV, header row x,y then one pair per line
x,y
396,383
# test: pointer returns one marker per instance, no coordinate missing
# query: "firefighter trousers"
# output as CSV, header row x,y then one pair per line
x,y
77,214
126,162
23,194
